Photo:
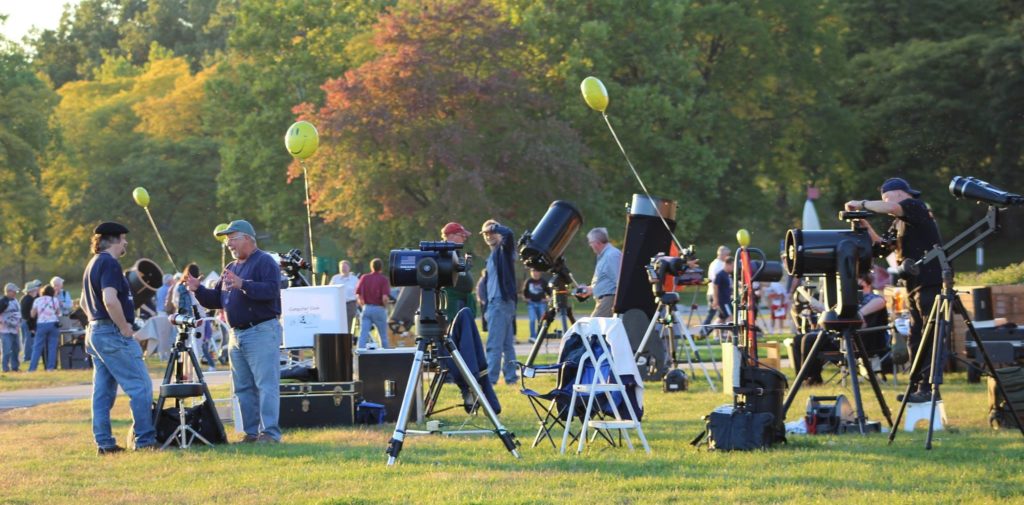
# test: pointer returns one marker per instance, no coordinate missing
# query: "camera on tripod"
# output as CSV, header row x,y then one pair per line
x,y
292,264
664,267
435,265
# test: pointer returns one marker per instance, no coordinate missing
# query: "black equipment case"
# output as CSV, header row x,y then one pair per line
x,y
315,404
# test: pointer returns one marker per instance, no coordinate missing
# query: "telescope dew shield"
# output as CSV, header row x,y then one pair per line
x,y
814,252
542,247
144,278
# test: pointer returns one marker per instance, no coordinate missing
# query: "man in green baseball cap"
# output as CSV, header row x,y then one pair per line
x,y
249,291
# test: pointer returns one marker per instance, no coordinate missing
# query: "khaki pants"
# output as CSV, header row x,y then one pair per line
x,y
603,308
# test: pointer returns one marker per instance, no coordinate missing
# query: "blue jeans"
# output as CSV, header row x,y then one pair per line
x,y
536,311
377,316
117,361
46,337
26,341
501,340
256,375
11,346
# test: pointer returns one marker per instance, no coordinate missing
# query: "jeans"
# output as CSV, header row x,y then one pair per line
x,y
256,376
501,340
921,301
378,317
117,361
11,346
204,347
536,311
26,341
46,337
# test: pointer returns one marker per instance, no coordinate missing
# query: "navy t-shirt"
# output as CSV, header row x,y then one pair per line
x,y
723,281
917,233
104,271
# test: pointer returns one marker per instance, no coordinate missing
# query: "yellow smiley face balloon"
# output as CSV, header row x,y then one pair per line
x,y
302,140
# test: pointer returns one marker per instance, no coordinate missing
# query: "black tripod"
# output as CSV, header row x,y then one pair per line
x,y
940,321
673,335
175,386
429,341
558,307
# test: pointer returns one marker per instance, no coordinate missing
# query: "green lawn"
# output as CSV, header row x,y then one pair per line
x,y
48,457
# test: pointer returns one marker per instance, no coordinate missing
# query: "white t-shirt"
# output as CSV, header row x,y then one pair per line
x,y
47,309
349,282
717,265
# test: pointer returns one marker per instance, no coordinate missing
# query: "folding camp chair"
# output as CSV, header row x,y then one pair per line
x,y
607,380
552,407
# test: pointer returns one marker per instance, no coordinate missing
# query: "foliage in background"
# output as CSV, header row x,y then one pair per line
x,y
729,107
1013,274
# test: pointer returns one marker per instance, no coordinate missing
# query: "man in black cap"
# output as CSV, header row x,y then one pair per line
x,y
911,235
249,291
117,357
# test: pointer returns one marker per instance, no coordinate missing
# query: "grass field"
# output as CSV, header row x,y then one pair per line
x,y
48,457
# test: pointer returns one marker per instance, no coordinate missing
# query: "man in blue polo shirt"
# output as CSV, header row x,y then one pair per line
x,y
116,356
249,291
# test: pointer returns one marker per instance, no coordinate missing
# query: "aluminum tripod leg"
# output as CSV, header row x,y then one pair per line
x,y
395,444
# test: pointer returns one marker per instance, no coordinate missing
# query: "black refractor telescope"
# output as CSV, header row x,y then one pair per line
x,y
542,249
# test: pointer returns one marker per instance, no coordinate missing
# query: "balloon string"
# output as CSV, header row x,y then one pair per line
x,y
223,256
161,239
642,185
309,217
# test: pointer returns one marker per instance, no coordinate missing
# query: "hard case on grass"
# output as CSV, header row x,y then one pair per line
x,y
316,404
73,357
384,374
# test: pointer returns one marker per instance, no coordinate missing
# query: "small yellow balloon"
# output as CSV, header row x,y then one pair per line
x,y
219,228
141,196
302,140
743,237
594,93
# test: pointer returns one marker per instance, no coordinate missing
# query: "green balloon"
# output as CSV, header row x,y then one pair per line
x,y
219,228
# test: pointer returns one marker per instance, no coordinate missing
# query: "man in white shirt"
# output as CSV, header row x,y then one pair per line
x,y
347,279
716,266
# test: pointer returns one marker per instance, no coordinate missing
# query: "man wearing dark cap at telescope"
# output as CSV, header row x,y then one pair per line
x,y
911,235
249,291
116,356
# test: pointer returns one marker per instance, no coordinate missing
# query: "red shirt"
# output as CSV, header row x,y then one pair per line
x,y
373,287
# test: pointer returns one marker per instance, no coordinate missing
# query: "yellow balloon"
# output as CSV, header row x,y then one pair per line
x,y
141,196
743,237
594,93
302,140
219,228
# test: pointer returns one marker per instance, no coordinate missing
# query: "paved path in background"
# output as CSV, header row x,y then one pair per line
x,y
32,397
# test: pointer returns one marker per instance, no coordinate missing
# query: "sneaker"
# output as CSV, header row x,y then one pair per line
x,y
248,439
211,369
102,451
266,439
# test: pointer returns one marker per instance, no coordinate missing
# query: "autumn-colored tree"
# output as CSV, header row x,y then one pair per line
x,y
442,125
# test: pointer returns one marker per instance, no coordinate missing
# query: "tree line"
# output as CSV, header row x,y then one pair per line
x,y
464,110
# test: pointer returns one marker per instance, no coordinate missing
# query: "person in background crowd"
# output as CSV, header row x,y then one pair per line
x,y
62,296
722,300
10,324
28,323
536,293
481,298
462,293
46,310
716,266
373,293
348,281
